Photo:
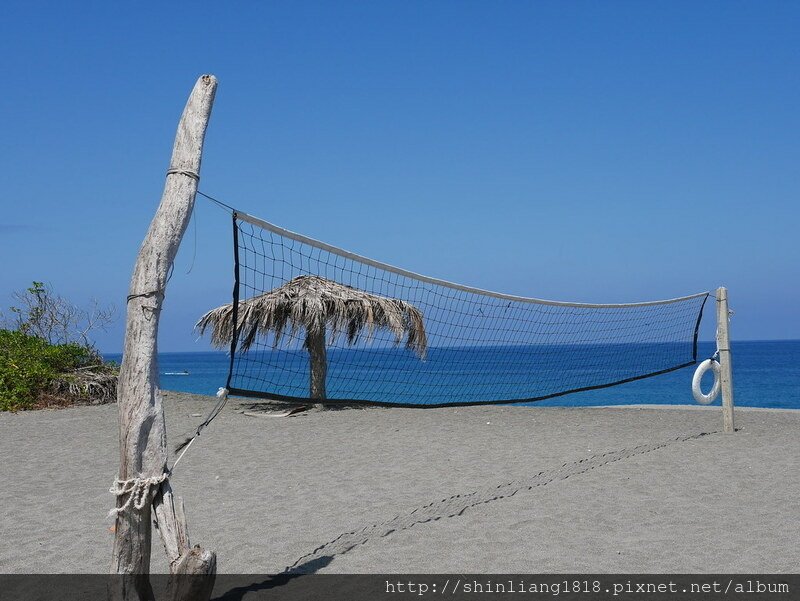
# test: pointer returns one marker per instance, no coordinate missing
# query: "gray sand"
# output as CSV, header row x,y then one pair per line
x,y
533,490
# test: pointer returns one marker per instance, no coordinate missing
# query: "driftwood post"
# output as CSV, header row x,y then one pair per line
x,y
142,433
725,366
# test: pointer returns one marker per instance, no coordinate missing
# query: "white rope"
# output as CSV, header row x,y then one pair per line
x,y
186,448
222,395
429,280
138,489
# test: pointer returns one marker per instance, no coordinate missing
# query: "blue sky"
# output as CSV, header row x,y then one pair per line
x,y
600,152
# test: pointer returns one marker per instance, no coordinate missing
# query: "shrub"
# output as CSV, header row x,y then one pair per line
x,y
31,368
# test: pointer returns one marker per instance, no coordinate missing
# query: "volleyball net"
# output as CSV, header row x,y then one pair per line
x,y
313,322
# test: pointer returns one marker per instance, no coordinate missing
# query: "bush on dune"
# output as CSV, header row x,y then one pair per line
x,y
36,373
42,364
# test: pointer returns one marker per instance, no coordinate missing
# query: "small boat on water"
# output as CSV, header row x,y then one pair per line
x,y
185,372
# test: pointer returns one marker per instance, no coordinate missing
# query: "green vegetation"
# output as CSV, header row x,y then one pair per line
x,y
46,357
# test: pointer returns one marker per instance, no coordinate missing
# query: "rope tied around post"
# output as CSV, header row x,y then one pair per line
x,y
160,293
138,489
186,172
152,293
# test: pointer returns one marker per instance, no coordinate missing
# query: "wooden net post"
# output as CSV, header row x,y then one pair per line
x,y
726,368
142,430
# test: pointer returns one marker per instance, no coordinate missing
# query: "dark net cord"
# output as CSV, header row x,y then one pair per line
x,y
482,347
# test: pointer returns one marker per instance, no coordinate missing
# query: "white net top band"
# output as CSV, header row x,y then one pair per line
x,y
435,281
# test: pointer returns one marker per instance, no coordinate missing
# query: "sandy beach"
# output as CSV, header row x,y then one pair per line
x,y
478,489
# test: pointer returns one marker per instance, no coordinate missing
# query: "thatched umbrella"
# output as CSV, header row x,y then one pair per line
x,y
314,304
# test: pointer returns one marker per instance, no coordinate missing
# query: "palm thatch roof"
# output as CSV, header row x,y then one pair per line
x,y
313,303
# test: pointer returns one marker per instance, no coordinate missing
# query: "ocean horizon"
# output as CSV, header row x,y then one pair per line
x,y
766,373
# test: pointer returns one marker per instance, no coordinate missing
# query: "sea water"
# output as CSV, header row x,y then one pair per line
x,y
765,374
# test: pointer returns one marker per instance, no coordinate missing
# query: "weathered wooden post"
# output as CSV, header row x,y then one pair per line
x,y
726,368
316,343
142,433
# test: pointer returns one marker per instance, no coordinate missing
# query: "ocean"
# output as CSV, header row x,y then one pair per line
x,y
765,374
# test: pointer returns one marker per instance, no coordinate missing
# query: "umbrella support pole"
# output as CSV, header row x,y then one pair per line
x,y
315,343
143,471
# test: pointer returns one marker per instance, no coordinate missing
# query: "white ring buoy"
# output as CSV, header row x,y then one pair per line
x,y
705,399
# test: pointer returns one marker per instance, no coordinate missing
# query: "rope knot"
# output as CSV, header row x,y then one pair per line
x,y
185,172
138,489
146,295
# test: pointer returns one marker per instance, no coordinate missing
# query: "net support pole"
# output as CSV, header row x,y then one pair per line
x,y
726,368
142,429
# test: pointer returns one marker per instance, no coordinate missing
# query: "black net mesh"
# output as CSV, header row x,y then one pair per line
x,y
481,347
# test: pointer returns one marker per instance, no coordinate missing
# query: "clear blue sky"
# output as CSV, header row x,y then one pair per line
x,y
588,151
